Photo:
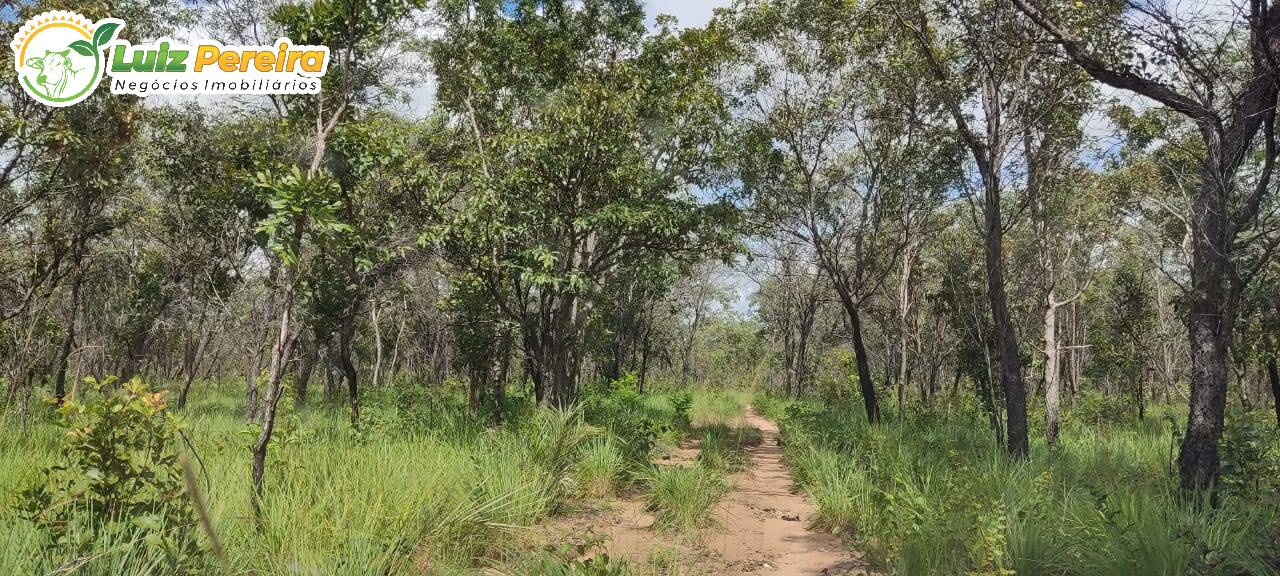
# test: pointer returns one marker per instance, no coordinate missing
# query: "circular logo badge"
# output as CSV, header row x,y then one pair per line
x,y
59,55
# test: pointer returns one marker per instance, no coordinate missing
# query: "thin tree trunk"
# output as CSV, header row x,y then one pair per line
x,y
1273,374
1015,392
345,336
68,340
865,384
305,368
1052,372
686,365
501,363
280,353
191,365
377,344
904,312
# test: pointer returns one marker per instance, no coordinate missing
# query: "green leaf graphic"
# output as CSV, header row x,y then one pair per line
x,y
104,33
82,48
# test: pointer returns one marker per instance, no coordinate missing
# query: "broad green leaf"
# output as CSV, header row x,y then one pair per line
x,y
103,34
82,48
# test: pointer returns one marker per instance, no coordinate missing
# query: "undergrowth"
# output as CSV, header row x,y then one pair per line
x,y
424,486
931,493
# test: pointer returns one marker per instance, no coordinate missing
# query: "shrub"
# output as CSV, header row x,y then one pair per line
x,y
1250,455
619,407
681,402
119,487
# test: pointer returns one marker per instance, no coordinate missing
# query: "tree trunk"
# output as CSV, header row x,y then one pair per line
x,y
904,313
1142,407
865,384
345,336
377,344
686,365
279,356
251,404
305,367
1209,330
1015,392
1052,372
1273,374
191,363
501,362
68,340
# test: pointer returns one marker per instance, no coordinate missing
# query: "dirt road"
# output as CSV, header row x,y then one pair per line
x,y
764,524
760,527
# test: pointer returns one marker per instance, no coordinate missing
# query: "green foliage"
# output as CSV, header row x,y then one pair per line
x,y
619,407
1250,455
1094,409
724,447
600,469
556,439
119,481
584,558
930,494
680,403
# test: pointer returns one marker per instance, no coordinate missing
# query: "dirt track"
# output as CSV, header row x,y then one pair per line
x,y
761,526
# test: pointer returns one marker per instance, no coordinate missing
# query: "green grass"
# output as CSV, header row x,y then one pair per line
x,y
713,407
930,494
723,447
601,470
423,488
683,498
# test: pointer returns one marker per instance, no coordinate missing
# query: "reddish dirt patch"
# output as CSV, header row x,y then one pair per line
x,y
761,526
765,524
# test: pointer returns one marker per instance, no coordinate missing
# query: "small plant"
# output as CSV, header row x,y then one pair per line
x,y
680,403
600,469
581,557
119,486
1250,456
683,497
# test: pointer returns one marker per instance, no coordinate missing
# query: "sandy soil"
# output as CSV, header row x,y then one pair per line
x,y
761,526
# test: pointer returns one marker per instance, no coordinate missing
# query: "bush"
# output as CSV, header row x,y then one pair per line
x,y
619,407
119,488
1250,455
681,402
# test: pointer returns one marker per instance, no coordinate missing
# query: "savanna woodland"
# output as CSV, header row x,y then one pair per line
x,y
568,287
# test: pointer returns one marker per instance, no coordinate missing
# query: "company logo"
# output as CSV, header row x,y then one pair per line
x,y
61,57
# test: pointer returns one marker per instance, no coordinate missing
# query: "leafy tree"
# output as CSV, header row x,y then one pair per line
x,y
1185,66
583,162
828,158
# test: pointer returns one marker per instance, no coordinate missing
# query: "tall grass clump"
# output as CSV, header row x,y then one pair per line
x,y
683,497
601,469
926,493
424,486
723,447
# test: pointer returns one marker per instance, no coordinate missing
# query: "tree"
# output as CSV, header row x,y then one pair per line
x,y
835,158
581,163
1224,82
1121,345
307,204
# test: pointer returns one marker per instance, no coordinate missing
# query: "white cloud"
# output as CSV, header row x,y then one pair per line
x,y
690,13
